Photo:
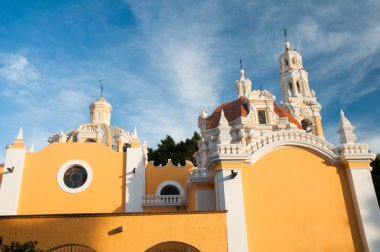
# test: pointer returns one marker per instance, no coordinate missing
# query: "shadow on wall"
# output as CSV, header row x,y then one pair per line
x,y
121,209
355,234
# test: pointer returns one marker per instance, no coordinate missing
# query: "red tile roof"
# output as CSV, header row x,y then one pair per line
x,y
235,109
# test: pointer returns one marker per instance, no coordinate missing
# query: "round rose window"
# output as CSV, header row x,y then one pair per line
x,y
75,176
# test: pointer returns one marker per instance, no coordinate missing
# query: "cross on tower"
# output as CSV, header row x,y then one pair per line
x,y
101,87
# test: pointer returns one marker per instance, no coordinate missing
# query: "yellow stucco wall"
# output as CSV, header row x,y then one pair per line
x,y
40,193
155,175
205,231
296,201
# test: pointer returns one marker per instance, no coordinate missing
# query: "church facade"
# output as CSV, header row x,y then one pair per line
x,y
266,180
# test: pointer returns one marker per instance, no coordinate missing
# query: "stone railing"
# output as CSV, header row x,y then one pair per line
x,y
354,149
200,174
163,200
293,137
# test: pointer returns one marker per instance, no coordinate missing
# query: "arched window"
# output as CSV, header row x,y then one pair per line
x,y
307,125
291,93
90,140
286,62
172,246
169,190
298,87
294,60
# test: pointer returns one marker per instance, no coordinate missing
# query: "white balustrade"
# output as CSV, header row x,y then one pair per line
x,y
163,200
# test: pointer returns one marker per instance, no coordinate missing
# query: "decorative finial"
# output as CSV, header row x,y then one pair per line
x,y
101,87
20,135
346,130
241,64
286,36
31,150
135,133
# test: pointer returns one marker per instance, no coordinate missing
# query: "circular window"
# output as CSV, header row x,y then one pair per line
x,y
74,176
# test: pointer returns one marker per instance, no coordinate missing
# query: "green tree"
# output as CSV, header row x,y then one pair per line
x,y
177,152
29,246
376,176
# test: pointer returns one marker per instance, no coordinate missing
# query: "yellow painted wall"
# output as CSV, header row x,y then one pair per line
x,y
191,197
205,231
155,175
40,193
296,201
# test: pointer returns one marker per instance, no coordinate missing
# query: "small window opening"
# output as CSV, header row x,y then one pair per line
x,y
307,125
169,190
261,114
125,147
286,62
298,87
90,140
291,93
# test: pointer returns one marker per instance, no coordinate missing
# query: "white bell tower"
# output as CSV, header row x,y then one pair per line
x,y
297,97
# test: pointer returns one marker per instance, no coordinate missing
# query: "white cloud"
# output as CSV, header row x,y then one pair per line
x,y
17,68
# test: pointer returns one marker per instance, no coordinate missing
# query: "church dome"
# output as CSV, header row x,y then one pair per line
x,y
239,108
99,130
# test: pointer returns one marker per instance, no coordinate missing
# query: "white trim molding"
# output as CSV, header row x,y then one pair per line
x,y
67,165
278,139
170,182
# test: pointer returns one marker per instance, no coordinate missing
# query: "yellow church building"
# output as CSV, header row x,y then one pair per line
x,y
266,180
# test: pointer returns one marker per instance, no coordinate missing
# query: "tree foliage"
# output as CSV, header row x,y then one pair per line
x,y
29,246
177,152
376,176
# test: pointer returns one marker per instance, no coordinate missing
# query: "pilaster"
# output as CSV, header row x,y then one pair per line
x,y
12,177
364,198
229,196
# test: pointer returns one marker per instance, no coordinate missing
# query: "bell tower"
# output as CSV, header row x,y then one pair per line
x,y
297,97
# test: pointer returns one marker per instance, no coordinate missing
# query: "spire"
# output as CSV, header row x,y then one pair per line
x,y
346,130
135,133
224,135
20,135
31,150
19,141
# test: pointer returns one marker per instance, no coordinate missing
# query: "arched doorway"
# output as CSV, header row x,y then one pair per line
x,y
172,247
71,248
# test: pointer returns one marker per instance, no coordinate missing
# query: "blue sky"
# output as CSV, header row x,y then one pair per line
x,y
164,61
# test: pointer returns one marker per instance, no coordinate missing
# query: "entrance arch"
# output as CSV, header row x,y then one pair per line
x,y
172,246
71,248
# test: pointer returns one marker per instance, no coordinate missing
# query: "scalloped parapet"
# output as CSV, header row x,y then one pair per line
x,y
170,164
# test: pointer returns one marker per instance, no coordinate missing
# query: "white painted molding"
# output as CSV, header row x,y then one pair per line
x,y
280,139
170,182
68,165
